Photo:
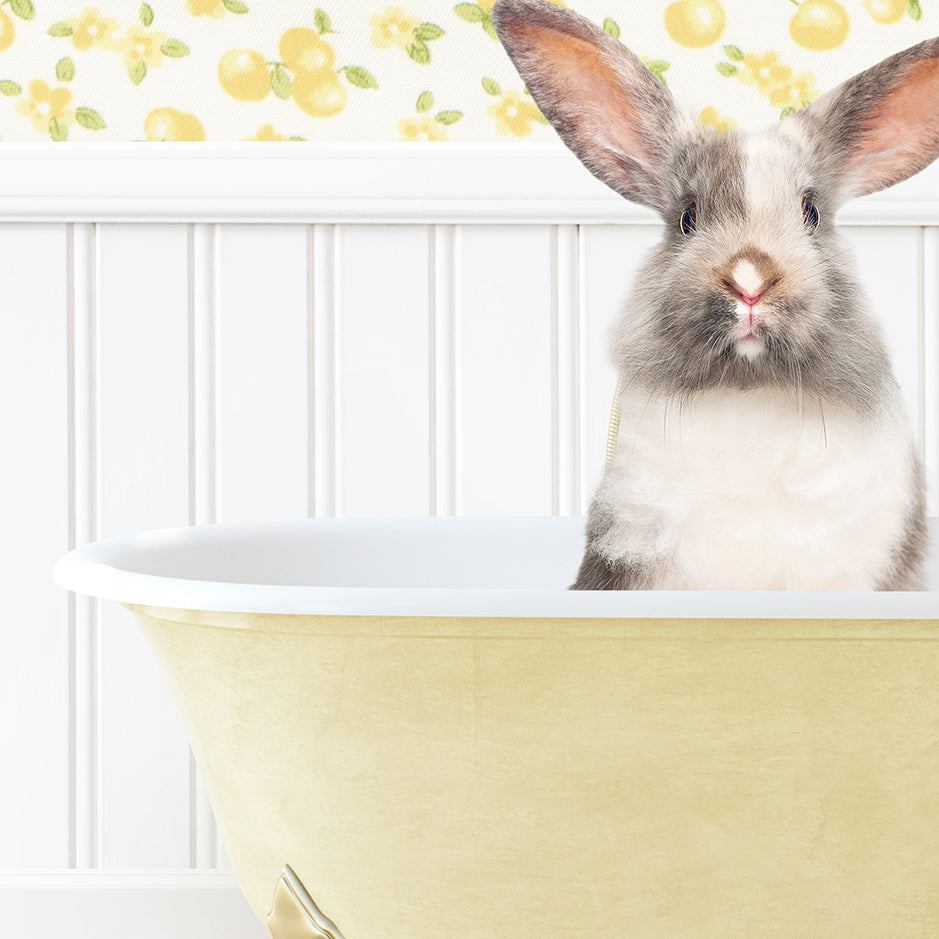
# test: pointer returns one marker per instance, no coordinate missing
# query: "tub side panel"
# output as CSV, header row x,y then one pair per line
x,y
504,787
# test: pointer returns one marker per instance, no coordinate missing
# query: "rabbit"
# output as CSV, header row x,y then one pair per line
x,y
763,441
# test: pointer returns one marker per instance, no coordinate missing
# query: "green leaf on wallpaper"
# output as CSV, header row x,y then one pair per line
x,y
419,52
726,69
281,82
914,9
427,32
146,14
233,6
471,13
489,29
611,27
448,117
541,119
137,72
89,119
65,70
24,10
425,102
323,23
60,29
174,48
734,53
492,87
788,112
359,77
57,130
10,89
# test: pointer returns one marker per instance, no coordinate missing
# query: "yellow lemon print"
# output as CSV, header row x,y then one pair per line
x,y
319,94
695,23
819,25
886,11
302,50
7,31
243,73
170,124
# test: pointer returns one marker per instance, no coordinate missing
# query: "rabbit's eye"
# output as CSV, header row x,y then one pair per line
x,y
809,214
689,219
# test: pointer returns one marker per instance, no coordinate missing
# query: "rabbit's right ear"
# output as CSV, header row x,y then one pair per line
x,y
618,118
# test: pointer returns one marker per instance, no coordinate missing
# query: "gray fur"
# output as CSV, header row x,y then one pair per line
x,y
676,335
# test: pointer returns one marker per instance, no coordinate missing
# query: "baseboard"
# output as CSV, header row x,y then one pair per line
x,y
122,904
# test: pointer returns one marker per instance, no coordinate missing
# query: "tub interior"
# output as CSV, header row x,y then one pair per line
x,y
537,553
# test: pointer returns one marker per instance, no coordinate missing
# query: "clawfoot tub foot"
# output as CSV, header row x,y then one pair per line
x,y
294,915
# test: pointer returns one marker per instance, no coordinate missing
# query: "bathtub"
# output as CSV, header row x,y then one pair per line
x,y
410,729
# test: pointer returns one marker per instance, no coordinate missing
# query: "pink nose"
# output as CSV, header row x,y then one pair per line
x,y
750,299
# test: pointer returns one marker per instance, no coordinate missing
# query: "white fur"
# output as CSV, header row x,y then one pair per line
x,y
744,490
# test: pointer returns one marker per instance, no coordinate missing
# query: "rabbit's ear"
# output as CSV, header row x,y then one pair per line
x,y
881,126
606,105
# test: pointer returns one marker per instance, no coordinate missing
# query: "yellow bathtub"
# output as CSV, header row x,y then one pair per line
x,y
409,730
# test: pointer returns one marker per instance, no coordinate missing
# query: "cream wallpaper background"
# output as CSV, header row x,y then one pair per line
x,y
385,70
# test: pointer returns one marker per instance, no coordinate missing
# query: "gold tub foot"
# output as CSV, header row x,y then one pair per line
x,y
294,915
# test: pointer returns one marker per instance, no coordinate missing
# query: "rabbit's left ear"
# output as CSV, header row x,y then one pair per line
x,y
606,105
881,126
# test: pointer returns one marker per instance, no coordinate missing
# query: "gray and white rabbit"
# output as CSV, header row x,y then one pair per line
x,y
763,439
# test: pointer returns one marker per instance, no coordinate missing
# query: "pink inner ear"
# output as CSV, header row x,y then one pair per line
x,y
903,136
585,80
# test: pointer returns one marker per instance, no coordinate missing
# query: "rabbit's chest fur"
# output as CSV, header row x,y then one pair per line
x,y
750,490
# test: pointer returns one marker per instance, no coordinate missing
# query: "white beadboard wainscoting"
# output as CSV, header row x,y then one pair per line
x,y
202,333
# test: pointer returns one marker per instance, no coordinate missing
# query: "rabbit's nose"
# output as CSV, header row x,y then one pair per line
x,y
749,275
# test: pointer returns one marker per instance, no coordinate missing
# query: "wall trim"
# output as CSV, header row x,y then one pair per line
x,y
364,182
118,880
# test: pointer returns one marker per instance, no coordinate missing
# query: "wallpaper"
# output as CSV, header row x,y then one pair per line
x,y
374,70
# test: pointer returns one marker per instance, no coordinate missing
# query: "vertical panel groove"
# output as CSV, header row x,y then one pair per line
x,y
443,388
203,488
84,838
325,404
565,424
930,364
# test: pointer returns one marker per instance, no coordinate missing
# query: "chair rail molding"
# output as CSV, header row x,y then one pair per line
x,y
362,182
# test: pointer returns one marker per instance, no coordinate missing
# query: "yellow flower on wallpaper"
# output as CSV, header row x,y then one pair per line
x,y
395,28
92,29
764,71
771,77
421,128
425,127
392,28
170,124
795,94
514,115
140,47
45,105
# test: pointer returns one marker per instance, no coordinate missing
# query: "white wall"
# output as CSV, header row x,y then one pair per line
x,y
199,336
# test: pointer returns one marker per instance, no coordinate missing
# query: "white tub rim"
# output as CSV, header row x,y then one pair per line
x,y
110,569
